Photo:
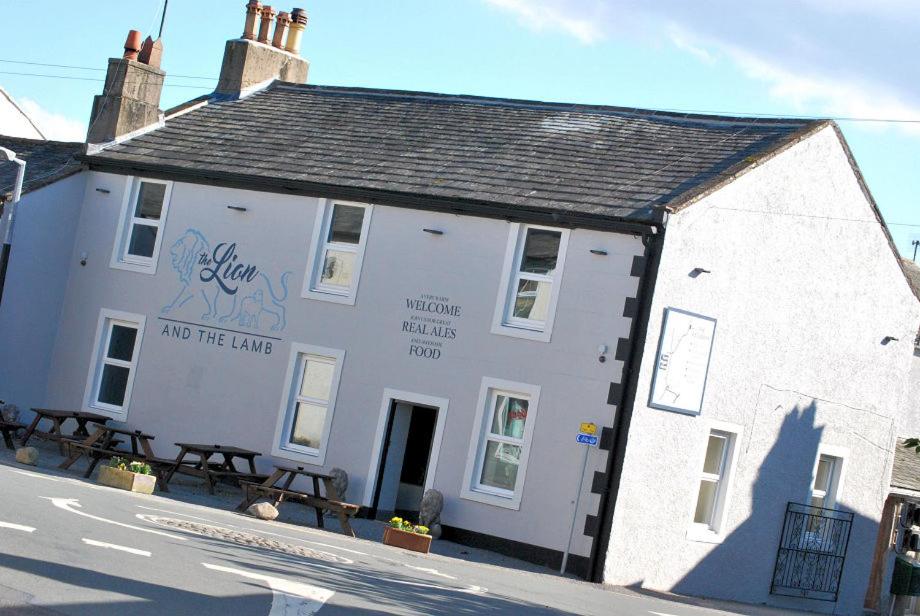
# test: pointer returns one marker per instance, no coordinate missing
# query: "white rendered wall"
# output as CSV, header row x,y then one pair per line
x,y
804,287
39,266
186,391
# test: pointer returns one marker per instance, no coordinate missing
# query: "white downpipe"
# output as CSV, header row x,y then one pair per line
x,y
17,192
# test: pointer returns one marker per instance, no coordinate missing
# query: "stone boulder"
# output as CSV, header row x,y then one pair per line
x,y
339,481
263,511
27,455
430,512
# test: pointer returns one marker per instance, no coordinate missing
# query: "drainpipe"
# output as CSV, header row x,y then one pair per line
x,y
9,217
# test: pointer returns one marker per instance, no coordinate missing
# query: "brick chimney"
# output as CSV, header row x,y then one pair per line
x,y
257,58
131,96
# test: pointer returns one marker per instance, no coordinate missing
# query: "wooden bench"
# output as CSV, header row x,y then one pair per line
x,y
9,430
343,511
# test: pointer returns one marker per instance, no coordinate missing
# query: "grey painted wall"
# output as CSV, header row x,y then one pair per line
x,y
40,262
804,287
189,391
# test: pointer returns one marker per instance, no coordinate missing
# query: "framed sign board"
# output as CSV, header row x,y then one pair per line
x,y
682,363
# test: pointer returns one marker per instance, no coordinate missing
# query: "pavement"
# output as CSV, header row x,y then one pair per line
x,y
70,546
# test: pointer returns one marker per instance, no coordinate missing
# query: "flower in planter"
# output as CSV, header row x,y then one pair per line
x,y
407,526
141,468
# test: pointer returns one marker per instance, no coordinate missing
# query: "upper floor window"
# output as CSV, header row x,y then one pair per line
x,y
111,376
305,419
339,238
500,444
826,482
140,231
530,282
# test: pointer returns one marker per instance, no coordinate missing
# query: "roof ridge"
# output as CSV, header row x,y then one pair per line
x,y
535,104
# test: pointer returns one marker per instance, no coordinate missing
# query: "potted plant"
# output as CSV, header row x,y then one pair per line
x,y
126,475
401,533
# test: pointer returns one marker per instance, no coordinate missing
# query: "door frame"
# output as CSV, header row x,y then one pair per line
x,y
389,397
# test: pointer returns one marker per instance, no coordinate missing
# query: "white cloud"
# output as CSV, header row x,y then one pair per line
x,y
54,126
841,58
545,16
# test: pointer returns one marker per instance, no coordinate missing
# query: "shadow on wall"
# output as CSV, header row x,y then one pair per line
x,y
741,568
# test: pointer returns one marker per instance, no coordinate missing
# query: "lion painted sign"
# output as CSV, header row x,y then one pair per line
x,y
218,286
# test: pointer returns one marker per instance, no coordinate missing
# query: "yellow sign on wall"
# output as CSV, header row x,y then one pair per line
x,y
588,428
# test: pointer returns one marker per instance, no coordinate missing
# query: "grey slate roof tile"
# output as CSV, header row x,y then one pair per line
x,y
905,472
602,161
46,162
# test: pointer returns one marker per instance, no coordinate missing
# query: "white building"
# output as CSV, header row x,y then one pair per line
x,y
315,272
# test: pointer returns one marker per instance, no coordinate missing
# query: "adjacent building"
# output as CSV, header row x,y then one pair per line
x,y
434,291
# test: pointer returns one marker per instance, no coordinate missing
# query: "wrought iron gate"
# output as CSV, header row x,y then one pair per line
x,y
812,549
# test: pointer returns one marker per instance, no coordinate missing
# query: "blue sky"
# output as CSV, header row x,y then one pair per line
x,y
827,58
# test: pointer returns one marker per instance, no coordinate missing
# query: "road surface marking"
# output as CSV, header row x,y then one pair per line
x,y
659,613
326,545
36,475
431,571
112,546
186,515
288,598
68,504
12,526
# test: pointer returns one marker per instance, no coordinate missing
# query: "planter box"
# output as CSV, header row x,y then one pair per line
x,y
126,480
406,540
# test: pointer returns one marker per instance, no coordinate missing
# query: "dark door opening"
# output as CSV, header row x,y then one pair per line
x,y
404,460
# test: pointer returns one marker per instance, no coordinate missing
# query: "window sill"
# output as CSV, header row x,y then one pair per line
x,y
703,534
119,414
488,498
347,299
516,331
139,268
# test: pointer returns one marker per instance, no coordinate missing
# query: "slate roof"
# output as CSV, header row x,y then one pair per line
x,y
905,473
912,271
593,161
46,162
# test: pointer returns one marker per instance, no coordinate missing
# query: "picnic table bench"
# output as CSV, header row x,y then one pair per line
x,y
57,419
210,471
103,443
328,500
9,430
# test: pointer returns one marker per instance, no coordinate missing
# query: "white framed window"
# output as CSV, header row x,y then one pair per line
x,y
114,363
531,278
826,479
337,251
305,418
140,228
500,443
714,487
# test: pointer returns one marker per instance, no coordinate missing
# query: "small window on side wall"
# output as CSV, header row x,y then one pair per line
x,y
141,227
114,364
826,482
714,488
531,277
337,251
305,420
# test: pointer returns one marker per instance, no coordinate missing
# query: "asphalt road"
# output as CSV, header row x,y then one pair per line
x,y
68,546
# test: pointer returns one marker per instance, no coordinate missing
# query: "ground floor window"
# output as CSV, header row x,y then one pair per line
x,y
306,416
713,490
500,443
112,370
826,481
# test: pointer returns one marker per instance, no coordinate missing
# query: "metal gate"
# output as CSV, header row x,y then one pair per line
x,y
812,549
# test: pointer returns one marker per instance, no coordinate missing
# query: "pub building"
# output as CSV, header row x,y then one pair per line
x,y
440,291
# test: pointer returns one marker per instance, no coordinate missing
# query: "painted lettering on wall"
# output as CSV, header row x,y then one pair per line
x,y
430,324
219,286
224,339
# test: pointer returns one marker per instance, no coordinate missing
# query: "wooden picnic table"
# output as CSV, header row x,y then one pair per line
x,y
103,445
9,430
57,419
212,471
326,500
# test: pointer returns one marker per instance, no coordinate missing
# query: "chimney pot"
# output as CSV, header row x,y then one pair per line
x,y
267,15
132,45
281,27
151,52
298,25
253,8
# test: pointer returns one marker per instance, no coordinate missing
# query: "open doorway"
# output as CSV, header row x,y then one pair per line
x,y
405,455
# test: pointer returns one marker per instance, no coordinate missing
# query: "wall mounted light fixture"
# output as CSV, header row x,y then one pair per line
x,y
104,191
888,339
433,231
696,271
237,208
598,251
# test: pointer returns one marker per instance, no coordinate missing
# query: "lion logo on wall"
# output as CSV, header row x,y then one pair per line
x,y
227,290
